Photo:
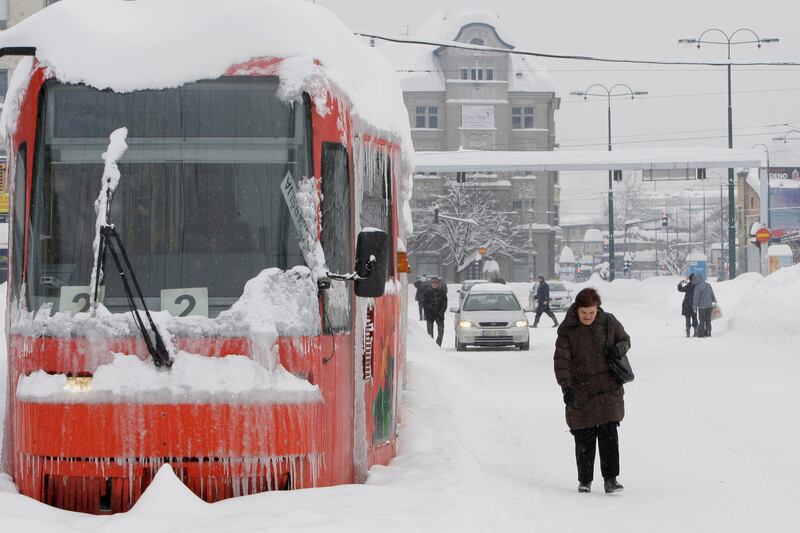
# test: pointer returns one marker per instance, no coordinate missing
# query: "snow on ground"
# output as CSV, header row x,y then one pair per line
x,y
708,442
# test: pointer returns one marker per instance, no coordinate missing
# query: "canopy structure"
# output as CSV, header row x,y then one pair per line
x,y
540,161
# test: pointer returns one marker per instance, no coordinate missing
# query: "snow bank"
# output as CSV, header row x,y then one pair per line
x,y
192,379
769,306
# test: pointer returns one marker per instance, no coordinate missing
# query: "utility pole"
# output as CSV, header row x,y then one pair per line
x,y
729,42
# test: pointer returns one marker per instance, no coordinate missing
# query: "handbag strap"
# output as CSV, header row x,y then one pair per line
x,y
609,330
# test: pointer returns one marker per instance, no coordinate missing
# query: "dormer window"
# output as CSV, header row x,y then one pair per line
x,y
477,72
477,41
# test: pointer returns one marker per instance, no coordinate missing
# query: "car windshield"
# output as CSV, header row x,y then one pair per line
x,y
199,203
558,287
491,302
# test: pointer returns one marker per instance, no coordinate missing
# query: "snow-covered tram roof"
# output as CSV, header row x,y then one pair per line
x,y
154,44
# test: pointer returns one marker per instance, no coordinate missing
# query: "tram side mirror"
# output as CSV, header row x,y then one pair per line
x,y
371,252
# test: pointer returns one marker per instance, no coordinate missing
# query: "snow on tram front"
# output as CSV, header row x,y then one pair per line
x,y
215,287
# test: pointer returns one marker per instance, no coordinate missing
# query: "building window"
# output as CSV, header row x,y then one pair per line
x,y
420,117
3,83
461,177
427,117
477,72
516,205
433,117
477,40
521,118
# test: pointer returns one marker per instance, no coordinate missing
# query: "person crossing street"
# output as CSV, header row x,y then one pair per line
x,y
543,303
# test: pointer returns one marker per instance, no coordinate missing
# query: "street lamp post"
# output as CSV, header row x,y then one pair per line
x,y
729,42
609,93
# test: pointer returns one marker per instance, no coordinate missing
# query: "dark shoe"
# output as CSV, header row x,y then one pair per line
x,y
585,488
687,332
612,485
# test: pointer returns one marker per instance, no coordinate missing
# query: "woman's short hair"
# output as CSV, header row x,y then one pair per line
x,y
587,298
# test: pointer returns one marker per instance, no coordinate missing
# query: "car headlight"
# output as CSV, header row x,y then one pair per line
x,y
465,324
521,323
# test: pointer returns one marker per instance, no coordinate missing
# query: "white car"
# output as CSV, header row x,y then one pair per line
x,y
560,297
466,286
491,315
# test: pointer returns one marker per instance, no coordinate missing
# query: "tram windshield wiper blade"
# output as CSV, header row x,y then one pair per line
x,y
110,241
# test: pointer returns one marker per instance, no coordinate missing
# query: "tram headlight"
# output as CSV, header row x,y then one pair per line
x,y
79,383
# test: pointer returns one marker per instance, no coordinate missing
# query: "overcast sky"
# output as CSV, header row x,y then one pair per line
x,y
686,106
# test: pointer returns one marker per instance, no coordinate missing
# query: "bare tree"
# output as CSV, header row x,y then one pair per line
x,y
468,220
674,258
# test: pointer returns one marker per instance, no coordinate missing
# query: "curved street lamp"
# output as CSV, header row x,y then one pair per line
x,y
785,135
609,92
728,41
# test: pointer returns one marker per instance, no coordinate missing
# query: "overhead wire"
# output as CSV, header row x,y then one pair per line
x,y
573,57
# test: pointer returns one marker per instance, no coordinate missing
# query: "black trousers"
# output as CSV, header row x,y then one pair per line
x,y
546,310
440,325
585,440
704,329
421,310
691,321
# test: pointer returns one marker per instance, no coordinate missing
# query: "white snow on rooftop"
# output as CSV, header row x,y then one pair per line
x,y
490,288
651,158
567,256
426,69
592,235
155,44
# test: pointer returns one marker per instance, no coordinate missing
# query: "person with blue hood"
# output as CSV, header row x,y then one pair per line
x,y
703,302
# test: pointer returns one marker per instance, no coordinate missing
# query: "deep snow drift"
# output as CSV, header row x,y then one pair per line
x,y
708,442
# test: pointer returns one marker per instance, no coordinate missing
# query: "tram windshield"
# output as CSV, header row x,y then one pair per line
x,y
198,206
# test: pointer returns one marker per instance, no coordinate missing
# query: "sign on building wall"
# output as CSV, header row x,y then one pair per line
x,y
784,173
477,117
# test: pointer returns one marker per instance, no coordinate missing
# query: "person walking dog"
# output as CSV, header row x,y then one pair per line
x,y
593,398
687,286
434,301
543,305
703,302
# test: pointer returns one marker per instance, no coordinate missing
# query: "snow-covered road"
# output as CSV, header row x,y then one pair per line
x,y
709,443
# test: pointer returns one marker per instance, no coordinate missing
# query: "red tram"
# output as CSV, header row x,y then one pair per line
x,y
200,213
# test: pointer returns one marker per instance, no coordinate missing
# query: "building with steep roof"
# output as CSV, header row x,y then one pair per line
x,y
464,99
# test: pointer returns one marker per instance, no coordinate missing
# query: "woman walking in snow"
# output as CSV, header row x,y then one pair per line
x,y
593,398
686,286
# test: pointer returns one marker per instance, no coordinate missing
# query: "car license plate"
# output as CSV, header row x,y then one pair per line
x,y
495,332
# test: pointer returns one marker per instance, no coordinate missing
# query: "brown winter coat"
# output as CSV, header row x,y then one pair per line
x,y
580,363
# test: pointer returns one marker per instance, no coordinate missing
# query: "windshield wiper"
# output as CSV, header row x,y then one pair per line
x,y
110,241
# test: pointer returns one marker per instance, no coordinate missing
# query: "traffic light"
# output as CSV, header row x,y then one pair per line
x,y
628,264
664,220
617,175
436,214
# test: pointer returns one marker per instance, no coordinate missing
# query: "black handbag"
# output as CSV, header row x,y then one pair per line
x,y
619,366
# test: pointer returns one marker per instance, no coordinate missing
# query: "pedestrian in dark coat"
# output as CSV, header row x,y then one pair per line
x,y
421,284
594,399
543,303
434,301
703,302
687,286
